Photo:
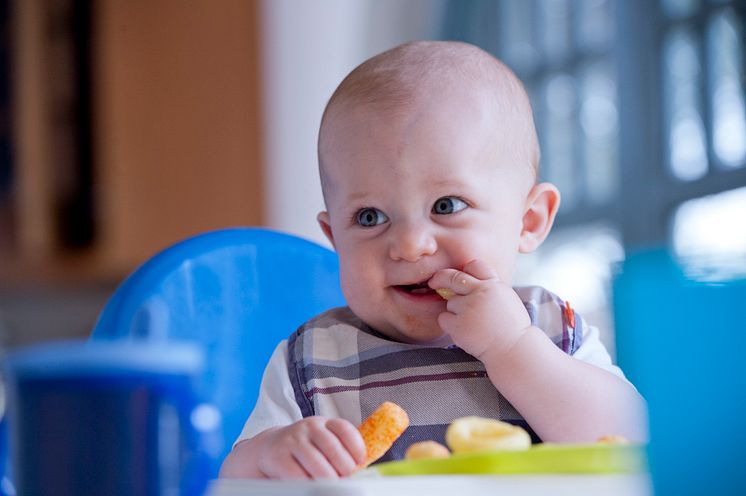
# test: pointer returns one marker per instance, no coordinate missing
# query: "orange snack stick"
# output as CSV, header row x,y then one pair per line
x,y
381,429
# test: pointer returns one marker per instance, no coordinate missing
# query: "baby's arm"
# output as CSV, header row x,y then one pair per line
x,y
312,448
562,398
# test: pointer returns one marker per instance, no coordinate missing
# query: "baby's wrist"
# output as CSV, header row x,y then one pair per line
x,y
504,345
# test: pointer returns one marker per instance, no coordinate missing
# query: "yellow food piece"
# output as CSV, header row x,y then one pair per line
x,y
613,439
445,293
474,434
426,449
381,429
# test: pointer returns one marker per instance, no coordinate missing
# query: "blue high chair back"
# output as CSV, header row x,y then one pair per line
x,y
681,342
237,292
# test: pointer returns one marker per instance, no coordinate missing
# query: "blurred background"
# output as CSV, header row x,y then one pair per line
x,y
127,125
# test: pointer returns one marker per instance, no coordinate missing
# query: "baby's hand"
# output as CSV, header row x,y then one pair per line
x,y
311,448
484,313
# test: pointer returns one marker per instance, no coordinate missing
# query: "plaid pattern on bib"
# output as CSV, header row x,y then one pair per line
x,y
340,367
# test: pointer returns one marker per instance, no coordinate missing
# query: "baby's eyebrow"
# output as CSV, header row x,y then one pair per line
x,y
359,195
448,183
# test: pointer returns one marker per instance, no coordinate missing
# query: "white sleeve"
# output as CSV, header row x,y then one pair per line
x,y
276,402
594,352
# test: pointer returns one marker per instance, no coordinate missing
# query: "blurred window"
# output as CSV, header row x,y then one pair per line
x,y
559,104
658,85
703,58
687,154
563,51
704,117
640,111
726,73
599,122
555,29
709,233
679,8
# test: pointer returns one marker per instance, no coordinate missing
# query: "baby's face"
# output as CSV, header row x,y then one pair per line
x,y
412,194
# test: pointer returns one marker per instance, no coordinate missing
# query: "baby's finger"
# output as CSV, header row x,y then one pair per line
x,y
457,281
314,462
350,438
457,305
481,270
285,467
336,454
447,321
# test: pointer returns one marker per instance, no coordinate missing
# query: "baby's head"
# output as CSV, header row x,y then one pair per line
x,y
428,159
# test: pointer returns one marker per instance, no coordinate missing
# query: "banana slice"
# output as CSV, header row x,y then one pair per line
x,y
426,449
473,434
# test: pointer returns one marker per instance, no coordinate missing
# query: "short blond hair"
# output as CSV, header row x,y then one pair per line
x,y
392,80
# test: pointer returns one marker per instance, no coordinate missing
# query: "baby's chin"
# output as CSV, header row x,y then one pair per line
x,y
434,339
406,328
441,342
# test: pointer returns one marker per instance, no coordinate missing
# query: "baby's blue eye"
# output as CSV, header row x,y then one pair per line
x,y
448,205
369,217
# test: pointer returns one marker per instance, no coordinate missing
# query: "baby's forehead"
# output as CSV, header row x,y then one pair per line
x,y
392,106
403,83
396,83
427,73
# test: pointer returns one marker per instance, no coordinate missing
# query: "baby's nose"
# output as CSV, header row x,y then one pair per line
x,y
410,242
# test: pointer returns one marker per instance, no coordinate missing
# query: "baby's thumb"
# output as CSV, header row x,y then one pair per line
x,y
481,270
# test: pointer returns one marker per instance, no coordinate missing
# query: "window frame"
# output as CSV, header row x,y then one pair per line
x,y
645,178
648,194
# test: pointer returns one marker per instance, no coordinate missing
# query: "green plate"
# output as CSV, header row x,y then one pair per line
x,y
540,459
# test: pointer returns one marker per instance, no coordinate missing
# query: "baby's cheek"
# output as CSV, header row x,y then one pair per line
x,y
464,256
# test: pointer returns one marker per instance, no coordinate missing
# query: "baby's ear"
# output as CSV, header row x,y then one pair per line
x,y
542,204
326,226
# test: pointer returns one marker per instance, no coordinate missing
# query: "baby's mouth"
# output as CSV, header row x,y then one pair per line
x,y
420,288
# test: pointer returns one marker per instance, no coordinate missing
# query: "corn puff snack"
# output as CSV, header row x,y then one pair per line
x,y
613,439
381,429
445,293
474,434
426,449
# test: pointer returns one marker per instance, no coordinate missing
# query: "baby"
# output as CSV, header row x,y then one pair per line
x,y
428,159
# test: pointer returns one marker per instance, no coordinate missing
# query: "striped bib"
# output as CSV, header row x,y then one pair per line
x,y
341,367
